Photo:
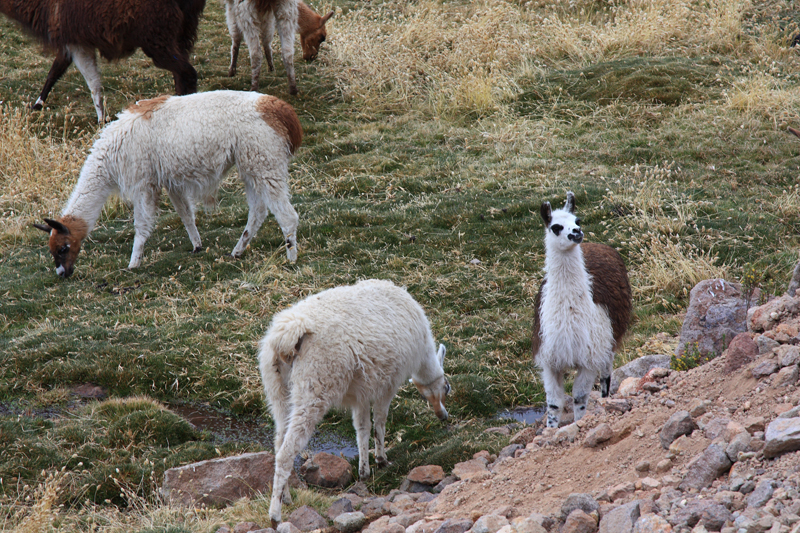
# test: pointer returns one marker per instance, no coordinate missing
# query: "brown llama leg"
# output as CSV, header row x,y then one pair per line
x,y
60,65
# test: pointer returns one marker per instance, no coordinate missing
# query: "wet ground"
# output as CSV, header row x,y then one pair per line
x,y
528,415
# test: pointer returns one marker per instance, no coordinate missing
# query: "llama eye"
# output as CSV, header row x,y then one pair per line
x,y
64,249
556,228
322,40
577,222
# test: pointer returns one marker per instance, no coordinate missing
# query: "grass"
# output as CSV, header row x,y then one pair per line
x,y
433,131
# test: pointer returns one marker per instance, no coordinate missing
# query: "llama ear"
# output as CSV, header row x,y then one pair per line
x,y
42,227
58,226
569,207
440,354
325,18
547,213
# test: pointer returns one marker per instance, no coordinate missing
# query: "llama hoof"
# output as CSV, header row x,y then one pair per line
x,y
254,87
382,462
232,72
37,106
198,249
274,523
293,90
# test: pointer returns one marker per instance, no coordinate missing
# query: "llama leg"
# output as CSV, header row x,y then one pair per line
x,y
235,33
554,391
362,425
185,210
380,412
86,62
581,387
173,59
250,31
279,202
60,65
258,211
286,19
266,38
301,427
145,215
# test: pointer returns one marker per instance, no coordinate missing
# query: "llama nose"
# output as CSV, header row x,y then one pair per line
x,y
576,236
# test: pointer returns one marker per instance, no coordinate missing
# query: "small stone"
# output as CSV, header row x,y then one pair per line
x,y
469,469
782,435
680,423
762,494
628,387
601,433
307,519
620,491
579,522
617,405
786,376
740,352
652,523
532,524
455,525
642,466
740,443
765,368
620,519
342,505
427,475
567,433
578,500
705,468
698,407
490,523
663,465
788,354
649,483
288,527
245,527
524,437
349,522
509,451
765,344
754,423
327,470
716,427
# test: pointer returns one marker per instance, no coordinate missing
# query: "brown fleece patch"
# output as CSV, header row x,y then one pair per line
x,y
281,117
146,108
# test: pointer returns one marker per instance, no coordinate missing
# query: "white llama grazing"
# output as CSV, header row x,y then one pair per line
x,y
348,346
255,21
582,311
184,144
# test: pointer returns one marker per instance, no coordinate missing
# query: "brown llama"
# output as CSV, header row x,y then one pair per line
x,y
165,30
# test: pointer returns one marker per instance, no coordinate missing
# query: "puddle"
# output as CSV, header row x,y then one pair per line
x,y
528,415
231,429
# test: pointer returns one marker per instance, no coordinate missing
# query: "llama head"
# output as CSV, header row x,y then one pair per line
x,y
563,227
312,31
66,236
437,390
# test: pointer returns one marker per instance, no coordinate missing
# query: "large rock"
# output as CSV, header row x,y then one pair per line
x,y
620,519
305,518
782,435
455,525
652,523
742,351
710,513
579,522
327,470
598,435
578,500
717,313
762,494
427,475
705,468
680,423
637,369
489,523
350,522
469,469
219,482
767,316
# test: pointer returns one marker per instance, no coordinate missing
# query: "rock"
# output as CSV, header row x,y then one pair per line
x,y
427,475
642,466
327,470
89,391
567,433
788,354
524,437
449,480
219,482
652,523
716,314
663,465
628,387
406,519
765,368
762,493
617,405
529,525
490,523
649,483
469,469
742,351
223,529
782,435
342,505
711,514
637,369
765,344
754,423
350,522
731,430
765,317
579,522
620,491
578,500
698,407
705,468
740,443
287,527
680,423
716,427
455,525
786,376
245,527
791,413
509,451
307,519
599,434
621,519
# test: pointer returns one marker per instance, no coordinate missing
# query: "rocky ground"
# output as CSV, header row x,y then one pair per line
x,y
708,449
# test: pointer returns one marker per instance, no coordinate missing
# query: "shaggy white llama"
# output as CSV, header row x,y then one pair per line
x,y
582,311
255,21
348,346
184,144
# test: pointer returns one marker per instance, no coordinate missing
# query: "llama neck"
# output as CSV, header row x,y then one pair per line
x,y
566,272
429,371
307,20
91,192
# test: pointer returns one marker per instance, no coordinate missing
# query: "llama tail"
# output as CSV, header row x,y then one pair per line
x,y
286,335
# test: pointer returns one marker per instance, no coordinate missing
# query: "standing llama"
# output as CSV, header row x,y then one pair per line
x,y
582,311
165,30
184,144
255,20
349,346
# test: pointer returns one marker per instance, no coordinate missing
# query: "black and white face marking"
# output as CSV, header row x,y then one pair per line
x,y
563,227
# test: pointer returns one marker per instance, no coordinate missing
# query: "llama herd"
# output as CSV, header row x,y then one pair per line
x,y
351,346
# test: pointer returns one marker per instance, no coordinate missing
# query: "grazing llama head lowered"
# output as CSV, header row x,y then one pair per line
x,y
582,311
351,346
